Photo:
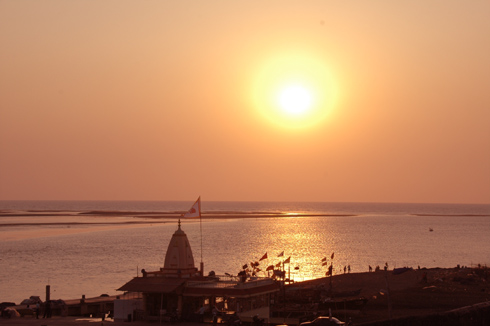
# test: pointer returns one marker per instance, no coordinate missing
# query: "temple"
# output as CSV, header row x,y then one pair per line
x,y
179,289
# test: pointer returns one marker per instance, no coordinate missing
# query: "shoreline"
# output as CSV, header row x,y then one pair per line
x,y
23,225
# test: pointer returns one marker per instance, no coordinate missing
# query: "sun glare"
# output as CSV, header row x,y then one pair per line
x,y
294,91
295,99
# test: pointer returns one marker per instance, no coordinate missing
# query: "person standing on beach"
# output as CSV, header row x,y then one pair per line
x,y
38,307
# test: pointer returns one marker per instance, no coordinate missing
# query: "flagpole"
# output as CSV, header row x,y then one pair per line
x,y
200,227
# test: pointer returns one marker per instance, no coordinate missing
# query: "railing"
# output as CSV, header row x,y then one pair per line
x,y
227,281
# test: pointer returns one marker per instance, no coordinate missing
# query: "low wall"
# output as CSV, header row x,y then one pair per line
x,y
478,314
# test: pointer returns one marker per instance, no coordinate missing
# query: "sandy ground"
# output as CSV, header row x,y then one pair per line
x,y
409,294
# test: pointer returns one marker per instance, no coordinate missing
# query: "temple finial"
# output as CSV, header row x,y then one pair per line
x,y
179,223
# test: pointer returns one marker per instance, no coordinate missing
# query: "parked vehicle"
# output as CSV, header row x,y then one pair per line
x,y
6,304
33,299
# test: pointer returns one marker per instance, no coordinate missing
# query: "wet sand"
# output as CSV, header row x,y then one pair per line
x,y
21,225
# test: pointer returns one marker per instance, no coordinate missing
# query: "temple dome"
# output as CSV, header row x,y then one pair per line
x,y
179,259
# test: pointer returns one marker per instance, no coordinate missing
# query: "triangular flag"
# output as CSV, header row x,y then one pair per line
x,y
331,257
263,257
324,259
287,260
325,263
278,264
195,210
270,268
281,254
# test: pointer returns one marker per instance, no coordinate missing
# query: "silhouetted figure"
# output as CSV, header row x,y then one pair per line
x,y
215,316
257,321
370,269
200,313
345,269
234,320
348,269
47,310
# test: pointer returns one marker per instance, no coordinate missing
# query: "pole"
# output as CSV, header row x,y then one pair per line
x,y
161,307
200,227
331,275
388,290
48,292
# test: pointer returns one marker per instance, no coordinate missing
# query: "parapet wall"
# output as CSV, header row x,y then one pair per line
x,y
478,314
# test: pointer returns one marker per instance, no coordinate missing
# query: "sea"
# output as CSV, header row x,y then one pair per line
x,y
310,236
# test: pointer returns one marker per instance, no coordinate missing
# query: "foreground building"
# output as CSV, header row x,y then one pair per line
x,y
180,289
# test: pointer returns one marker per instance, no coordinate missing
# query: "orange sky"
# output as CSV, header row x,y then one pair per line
x,y
165,100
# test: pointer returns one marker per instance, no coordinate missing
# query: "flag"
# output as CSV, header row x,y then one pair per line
x,y
263,257
281,254
195,210
331,257
270,268
325,263
324,259
287,260
278,264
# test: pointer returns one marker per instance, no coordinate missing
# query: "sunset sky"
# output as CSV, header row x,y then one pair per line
x,y
371,101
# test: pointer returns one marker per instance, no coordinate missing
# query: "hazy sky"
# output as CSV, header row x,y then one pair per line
x,y
169,100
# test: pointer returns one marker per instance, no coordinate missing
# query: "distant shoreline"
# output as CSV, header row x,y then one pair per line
x,y
31,224
153,214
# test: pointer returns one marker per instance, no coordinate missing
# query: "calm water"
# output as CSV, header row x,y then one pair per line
x,y
99,262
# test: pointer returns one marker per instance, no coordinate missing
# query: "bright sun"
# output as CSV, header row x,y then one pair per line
x,y
295,99
294,91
